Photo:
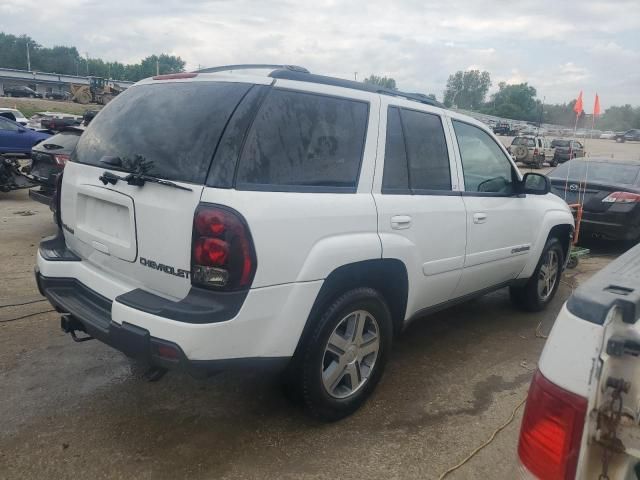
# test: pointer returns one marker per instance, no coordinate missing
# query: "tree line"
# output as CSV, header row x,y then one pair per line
x,y
468,90
68,61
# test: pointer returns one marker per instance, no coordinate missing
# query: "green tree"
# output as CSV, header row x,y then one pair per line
x,y
386,82
518,100
467,89
67,60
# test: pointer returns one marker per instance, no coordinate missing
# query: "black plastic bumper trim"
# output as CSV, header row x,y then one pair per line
x,y
41,196
54,249
199,306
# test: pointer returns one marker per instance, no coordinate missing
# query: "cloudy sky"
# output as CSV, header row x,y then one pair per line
x,y
558,46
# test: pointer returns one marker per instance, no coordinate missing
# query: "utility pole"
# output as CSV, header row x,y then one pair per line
x,y
355,76
28,57
157,67
86,54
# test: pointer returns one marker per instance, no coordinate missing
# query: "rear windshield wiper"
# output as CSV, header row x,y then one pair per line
x,y
138,179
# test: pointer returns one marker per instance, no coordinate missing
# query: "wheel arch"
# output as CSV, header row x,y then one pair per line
x,y
386,275
554,225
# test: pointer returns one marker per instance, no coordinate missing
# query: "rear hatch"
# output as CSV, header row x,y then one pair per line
x,y
611,440
589,182
141,234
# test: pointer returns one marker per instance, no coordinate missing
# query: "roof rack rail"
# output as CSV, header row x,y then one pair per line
x,y
252,66
287,74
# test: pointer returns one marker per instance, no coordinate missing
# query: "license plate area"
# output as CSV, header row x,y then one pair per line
x,y
105,220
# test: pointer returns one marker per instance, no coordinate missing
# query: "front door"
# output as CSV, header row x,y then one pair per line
x,y
500,223
421,214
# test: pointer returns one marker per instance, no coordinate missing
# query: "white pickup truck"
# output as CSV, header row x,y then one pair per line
x,y
583,411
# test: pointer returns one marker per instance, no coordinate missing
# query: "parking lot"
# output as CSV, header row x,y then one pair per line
x,y
72,410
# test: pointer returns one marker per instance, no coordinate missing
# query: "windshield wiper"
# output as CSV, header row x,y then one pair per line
x,y
138,180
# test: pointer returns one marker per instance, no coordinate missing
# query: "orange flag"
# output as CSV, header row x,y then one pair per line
x,y
596,106
578,106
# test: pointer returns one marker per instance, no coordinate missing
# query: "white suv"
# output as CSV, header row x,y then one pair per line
x,y
211,221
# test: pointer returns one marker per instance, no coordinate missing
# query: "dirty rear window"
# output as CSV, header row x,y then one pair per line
x,y
304,142
175,125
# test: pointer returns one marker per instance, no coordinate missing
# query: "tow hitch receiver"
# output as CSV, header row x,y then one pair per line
x,y
71,325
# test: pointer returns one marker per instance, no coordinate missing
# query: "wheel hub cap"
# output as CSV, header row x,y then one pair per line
x,y
350,354
548,276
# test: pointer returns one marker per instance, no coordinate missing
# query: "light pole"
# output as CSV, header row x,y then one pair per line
x,y
28,57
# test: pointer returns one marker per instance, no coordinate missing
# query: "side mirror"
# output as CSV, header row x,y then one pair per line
x,y
535,184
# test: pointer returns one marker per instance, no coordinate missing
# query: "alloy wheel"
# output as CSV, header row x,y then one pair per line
x,y
350,354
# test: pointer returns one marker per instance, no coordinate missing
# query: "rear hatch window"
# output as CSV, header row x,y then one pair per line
x,y
175,125
527,142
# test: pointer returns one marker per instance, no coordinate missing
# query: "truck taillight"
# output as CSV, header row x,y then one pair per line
x,y
61,159
551,430
55,201
222,252
621,197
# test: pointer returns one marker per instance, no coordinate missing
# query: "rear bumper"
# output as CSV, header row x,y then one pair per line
x,y
78,303
40,195
610,226
262,333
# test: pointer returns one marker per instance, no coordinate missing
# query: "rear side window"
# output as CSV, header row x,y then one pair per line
x,y
395,178
416,155
175,125
304,142
426,151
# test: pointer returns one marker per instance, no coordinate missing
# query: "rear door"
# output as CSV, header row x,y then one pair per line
x,y
421,215
500,225
141,235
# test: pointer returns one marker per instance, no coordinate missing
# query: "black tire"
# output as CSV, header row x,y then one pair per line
x,y
304,379
554,162
527,297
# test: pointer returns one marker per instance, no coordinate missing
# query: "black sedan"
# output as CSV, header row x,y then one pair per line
x,y
566,150
21,91
609,191
48,158
632,135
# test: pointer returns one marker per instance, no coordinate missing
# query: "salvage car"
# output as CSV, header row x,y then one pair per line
x,y
632,135
20,91
583,405
609,191
15,115
309,223
564,150
48,158
14,138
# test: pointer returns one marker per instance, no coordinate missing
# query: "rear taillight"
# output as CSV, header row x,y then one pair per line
x,y
222,252
622,197
551,430
55,201
61,159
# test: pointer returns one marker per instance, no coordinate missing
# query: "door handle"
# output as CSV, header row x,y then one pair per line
x,y
400,222
479,217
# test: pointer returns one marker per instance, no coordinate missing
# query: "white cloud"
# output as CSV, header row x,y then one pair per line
x,y
555,46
